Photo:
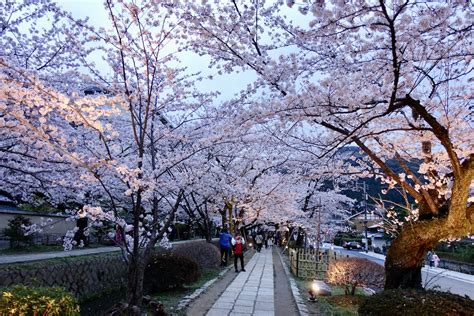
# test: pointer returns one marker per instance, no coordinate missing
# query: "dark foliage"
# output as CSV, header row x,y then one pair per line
x,y
416,302
16,232
168,271
205,254
154,308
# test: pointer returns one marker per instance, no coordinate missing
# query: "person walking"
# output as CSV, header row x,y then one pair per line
x,y
238,244
259,241
430,258
224,243
435,259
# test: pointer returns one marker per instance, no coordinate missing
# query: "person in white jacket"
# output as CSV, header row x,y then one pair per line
x,y
238,243
435,260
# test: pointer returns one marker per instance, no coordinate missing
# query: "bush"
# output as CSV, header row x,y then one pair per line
x,y
23,300
18,238
167,271
416,302
205,254
353,272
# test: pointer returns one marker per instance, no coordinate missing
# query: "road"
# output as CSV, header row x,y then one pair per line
x,y
433,278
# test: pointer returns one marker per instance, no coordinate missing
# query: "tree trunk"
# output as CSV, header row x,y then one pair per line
x,y
405,259
136,272
406,255
353,288
207,231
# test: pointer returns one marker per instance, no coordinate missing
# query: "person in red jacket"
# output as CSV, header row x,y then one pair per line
x,y
238,244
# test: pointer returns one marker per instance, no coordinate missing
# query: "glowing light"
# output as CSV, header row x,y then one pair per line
x,y
313,291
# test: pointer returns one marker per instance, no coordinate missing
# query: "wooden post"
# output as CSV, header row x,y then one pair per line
x,y
297,262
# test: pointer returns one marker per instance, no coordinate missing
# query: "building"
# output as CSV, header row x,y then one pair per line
x,y
55,225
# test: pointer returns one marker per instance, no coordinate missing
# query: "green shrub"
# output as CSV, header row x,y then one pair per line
x,y
353,272
416,302
168,271
23,300
462,250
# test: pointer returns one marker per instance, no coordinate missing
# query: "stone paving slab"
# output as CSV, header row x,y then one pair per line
x,y
251,292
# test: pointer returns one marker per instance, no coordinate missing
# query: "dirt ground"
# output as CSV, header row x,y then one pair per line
x,y
284,303
313,307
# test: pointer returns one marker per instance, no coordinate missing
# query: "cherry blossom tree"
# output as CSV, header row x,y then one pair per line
x,y
117,149
391,77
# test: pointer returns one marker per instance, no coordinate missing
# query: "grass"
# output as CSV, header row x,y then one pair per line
x,y
170,299
30,249
336,304
40,249
47,262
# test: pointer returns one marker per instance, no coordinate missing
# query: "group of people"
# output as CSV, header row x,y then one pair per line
x,y
237,244
261,240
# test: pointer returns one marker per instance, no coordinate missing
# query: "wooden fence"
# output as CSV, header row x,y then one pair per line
x,y
306,263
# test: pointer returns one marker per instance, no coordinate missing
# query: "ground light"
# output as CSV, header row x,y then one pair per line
x,y
318,288
313,291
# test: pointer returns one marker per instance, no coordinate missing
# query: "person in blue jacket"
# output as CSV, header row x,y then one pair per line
x,y
224,242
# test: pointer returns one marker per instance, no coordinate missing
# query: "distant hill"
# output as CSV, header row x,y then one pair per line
x,y
375,186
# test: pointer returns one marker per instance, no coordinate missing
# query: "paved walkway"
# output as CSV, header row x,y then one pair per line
x,y
251,292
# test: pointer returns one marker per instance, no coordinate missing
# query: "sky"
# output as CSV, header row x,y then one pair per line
x,y
227,85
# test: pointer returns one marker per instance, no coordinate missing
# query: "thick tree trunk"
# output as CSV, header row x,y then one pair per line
x,y
406,256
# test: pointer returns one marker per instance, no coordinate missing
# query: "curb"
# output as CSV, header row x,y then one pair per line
x,y
302,309
188,299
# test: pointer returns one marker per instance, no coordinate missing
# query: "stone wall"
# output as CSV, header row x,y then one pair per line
x,y
462,267
89,276
84,276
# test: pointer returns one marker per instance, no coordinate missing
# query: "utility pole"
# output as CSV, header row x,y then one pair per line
x,y
366,198
318,236
365,217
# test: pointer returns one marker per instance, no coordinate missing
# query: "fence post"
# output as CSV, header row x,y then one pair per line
x,y
297,262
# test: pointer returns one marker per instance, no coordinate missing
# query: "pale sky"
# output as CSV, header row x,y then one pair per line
x,y
228,85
